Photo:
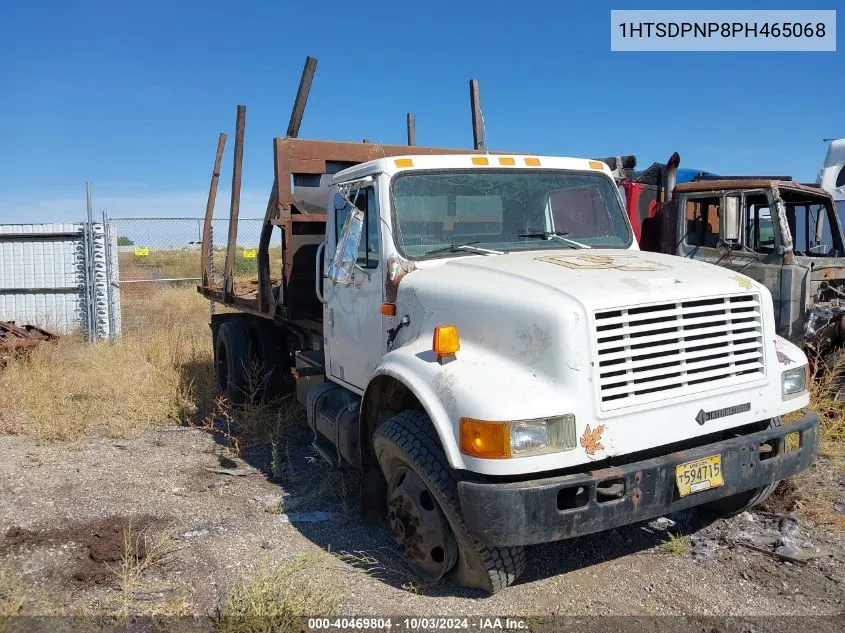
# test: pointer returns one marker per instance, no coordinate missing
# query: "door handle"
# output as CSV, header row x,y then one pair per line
x,y
317,274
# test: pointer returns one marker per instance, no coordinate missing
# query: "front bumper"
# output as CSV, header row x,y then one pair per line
x,y
544,510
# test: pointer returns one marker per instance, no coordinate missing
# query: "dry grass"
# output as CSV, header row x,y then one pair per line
x,y
141,552
159,374
807,493
831,410
275,598
13,594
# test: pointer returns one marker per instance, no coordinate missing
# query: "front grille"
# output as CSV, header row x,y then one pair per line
x,y
650,353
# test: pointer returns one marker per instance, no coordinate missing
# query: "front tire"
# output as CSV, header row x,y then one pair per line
x,y
739,503
424,511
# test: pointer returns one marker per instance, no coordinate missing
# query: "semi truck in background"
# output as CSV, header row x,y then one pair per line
x,y
832,175
480,337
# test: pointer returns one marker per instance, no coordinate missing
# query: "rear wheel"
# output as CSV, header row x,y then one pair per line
x,y
738,503
231,353
268,350
424,513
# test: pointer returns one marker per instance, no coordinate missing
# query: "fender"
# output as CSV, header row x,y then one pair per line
x,y
420,377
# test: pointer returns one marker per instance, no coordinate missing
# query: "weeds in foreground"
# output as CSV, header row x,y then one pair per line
x,y
158,374
386,565
275,598
141,552
824,391
676,545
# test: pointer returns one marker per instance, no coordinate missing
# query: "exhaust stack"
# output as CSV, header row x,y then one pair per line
x,y
671,175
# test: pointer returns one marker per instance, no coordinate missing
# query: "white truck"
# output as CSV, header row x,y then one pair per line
x,y
479,335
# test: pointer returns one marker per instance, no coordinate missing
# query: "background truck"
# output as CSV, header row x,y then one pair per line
x,y
479,335
784,234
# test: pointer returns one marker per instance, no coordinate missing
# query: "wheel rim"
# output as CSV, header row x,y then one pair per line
x,y
422,534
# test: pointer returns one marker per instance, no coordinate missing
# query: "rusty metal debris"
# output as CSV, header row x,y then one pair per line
x,y
15,337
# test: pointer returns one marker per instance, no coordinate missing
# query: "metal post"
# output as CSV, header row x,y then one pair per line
x,y
301,96
89,266
234,207
206,273
478,141
211,261
412,129
109,292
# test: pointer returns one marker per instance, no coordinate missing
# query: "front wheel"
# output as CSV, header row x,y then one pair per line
x,y
739,503
424,512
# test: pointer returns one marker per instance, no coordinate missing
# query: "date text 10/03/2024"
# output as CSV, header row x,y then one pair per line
x,y
418,624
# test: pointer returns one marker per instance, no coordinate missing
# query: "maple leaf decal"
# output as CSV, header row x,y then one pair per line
x,y
591,440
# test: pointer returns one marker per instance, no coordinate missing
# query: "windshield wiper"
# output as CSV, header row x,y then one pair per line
x,y
558,235
464,246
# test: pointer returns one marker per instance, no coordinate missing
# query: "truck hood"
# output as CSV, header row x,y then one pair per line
x,y
596,279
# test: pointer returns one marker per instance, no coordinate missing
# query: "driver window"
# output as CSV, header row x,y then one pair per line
x,y
368,247
759,225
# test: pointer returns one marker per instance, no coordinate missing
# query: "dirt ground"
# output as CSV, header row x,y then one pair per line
x,y
169,521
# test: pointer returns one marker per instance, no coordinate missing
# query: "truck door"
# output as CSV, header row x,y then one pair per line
x,y
352,321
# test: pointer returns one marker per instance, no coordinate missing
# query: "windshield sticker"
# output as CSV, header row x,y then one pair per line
x,y
626,263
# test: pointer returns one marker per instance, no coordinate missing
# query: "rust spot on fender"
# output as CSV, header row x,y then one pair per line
x,y
396,269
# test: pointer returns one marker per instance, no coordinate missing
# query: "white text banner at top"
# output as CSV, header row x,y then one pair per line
x,y
729,30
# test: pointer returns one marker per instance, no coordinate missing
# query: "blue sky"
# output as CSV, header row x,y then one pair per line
x,y
132,99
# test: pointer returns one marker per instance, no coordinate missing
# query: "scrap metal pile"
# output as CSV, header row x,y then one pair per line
x,y
14,338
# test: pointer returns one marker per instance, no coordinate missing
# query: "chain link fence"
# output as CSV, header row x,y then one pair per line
x,y
159,257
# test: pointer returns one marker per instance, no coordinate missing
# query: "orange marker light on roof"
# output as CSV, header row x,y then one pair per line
x,y
403,162
596,164
445,342
480,160
506,160
532,162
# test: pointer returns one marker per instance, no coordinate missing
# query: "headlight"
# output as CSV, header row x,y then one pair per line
x,y
793,382
520,438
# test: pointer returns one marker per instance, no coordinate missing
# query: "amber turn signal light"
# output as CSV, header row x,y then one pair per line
x,y
489,440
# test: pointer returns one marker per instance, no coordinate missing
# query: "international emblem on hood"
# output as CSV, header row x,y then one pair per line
x,y
624,263
705,416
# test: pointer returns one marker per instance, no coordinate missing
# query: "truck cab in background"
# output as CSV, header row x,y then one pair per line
x,y
784,234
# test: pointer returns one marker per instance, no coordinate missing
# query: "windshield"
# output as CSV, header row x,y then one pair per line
x,y
506,211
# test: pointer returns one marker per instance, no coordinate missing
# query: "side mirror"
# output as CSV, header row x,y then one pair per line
x,y
729,224
343,263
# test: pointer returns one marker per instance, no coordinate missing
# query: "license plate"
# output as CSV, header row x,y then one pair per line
x,y
702,474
